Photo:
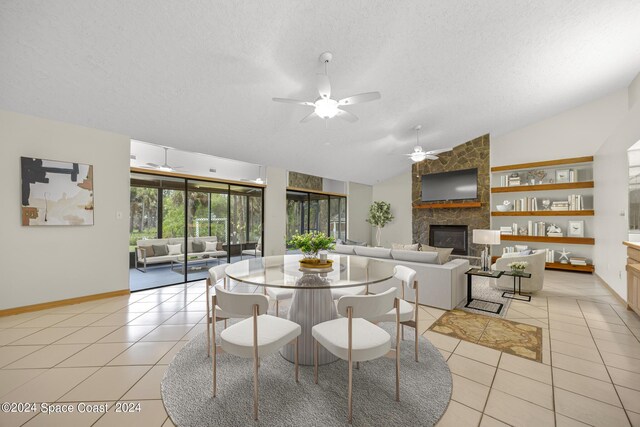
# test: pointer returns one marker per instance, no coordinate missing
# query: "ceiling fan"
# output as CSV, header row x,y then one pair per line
x,y
258,180
165,167
324,106
419,154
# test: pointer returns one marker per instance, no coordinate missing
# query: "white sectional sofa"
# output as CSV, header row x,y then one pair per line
x,y
145,254
441,285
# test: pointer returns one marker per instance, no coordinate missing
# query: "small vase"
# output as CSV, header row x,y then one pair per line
x,y
517,270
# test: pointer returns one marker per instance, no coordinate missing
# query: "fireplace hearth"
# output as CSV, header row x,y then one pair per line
x,y
450,236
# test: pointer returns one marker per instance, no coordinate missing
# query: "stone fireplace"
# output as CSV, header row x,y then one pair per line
x,y
450,236
429,219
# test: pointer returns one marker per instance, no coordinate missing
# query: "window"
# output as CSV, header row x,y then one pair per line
x,y
307,211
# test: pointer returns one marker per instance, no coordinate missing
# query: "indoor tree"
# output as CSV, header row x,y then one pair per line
x,y
379,216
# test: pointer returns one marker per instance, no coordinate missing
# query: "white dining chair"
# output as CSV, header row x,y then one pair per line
x,y
408,312
278,294
216,274
355,339
255,337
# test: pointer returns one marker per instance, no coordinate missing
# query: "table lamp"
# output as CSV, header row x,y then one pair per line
x,y
486,238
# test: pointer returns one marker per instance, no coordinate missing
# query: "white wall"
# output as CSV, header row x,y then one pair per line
x,y
275,212
604,128
397,191
634,92
611,176
359,198
574,133
50,263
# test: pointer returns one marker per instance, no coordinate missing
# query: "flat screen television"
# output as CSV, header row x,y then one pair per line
x,y
455,185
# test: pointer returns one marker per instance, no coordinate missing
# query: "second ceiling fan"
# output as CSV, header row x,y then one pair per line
x,y
324,106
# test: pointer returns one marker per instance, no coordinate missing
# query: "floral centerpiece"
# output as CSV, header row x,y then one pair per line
x,y
310,244
518,266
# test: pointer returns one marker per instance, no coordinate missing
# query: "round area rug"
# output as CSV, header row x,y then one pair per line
x,y
425,390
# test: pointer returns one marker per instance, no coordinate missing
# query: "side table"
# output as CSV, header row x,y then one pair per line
x,y
492,274
517,277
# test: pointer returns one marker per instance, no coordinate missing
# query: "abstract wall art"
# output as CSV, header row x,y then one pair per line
x,y
56,193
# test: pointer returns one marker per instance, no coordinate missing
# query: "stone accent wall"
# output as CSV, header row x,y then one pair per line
x,y
472,154
308,182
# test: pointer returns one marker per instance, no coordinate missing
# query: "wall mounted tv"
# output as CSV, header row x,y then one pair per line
x,y
455,185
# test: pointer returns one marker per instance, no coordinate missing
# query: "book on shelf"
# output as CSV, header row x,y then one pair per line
x,y
525,204
506,230
578,261
550,255
555,234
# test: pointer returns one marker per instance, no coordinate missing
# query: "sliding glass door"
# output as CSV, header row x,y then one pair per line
x,y
179,228
307,211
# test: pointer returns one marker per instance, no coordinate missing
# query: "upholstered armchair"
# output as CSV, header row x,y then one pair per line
x,y
536,267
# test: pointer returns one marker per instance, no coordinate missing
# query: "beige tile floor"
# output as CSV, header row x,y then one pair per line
x,y
118,350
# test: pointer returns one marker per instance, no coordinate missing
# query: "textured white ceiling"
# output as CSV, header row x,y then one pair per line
x,y
200,75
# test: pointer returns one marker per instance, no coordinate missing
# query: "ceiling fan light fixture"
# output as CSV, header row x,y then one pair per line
x,y
418,156
326,108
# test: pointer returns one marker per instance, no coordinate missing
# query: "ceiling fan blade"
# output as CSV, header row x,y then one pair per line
x,y
441,150
360,98
324,87
350,117
293,101
309,117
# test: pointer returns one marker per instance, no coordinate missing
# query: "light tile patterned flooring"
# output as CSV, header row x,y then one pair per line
x,y
118,350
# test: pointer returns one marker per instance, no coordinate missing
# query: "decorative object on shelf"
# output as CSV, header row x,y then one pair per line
x,y
546,204
56,193
514,180
536,175
310,244
522,231
518,266
575,229
486,238
554,231
505,206
379,216
562,176
564,256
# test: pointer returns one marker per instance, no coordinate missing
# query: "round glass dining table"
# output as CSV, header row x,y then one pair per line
x,y
313,290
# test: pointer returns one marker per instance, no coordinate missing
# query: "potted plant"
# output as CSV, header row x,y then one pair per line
x,y
310,244
518,266
379,216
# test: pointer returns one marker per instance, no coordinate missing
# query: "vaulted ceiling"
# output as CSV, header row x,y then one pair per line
x,y
200,75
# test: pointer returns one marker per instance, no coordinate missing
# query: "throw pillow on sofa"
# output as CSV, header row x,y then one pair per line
x,y
415,256
402,247
210,246
219,246
148,251
174,249
198,246
443,253
160,250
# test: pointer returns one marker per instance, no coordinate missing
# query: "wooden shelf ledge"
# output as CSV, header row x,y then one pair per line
x,y
543,187
547,239
589,268
450,205
546,163
584,212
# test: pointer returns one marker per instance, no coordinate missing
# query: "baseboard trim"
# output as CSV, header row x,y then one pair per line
x,y
614,293
63,302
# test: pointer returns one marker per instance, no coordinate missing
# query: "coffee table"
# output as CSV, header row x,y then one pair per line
x,y
191,265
